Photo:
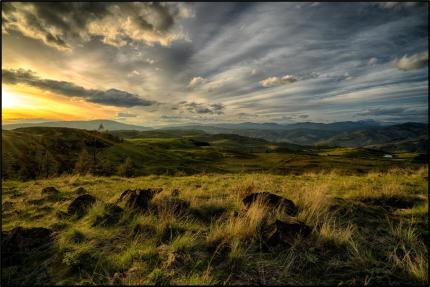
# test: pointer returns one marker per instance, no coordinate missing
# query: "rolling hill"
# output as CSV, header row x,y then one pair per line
x,y
45,151
354,134
87,125
366,133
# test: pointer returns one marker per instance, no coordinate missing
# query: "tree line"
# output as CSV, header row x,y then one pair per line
x,y
46,157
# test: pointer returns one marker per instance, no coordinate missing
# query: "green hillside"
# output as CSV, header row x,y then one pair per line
x,y
40,152
88,125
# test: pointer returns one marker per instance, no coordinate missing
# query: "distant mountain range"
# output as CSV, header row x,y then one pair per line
x,y
336,126
354,134
366,133
85,125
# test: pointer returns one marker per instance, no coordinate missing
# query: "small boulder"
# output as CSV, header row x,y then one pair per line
x,y
272,200
20,242
111,215
284,232
139,198
81,204
80,190
50,190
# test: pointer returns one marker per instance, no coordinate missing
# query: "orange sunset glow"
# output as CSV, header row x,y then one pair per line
x,y
20,102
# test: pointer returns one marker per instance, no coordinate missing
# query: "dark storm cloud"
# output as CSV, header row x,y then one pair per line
x,y
126,115
111,97
200,108
116,23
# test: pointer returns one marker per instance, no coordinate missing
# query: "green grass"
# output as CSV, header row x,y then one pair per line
x,y
355,238
42,152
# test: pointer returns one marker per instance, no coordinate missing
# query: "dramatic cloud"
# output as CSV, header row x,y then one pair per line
x,y
126,115
261,61
197,81
61,24
111,97
200,108
275,81
416,61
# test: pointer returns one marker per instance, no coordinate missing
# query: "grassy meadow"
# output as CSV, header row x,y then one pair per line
x,y
40,152
367,229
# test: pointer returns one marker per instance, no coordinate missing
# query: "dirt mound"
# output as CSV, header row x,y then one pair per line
x,y
272,200
20,242
284,232
139,199
273,231
81,204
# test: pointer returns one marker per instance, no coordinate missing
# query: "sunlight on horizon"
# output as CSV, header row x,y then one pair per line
x,y
27,103
11,100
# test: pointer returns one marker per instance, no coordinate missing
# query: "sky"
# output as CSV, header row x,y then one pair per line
x,y
155,64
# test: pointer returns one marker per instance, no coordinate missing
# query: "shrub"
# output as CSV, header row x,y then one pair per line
x,y
84,163
127,168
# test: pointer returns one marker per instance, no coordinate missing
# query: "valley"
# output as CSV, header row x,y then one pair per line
x,y
38,152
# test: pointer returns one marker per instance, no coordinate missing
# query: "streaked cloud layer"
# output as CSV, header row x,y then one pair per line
x,y
218,62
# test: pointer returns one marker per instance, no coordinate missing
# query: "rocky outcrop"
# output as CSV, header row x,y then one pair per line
x,y
284,232
80,205
272,200
139,199
275,232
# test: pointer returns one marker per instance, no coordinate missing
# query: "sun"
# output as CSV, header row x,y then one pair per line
x,y
11,100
